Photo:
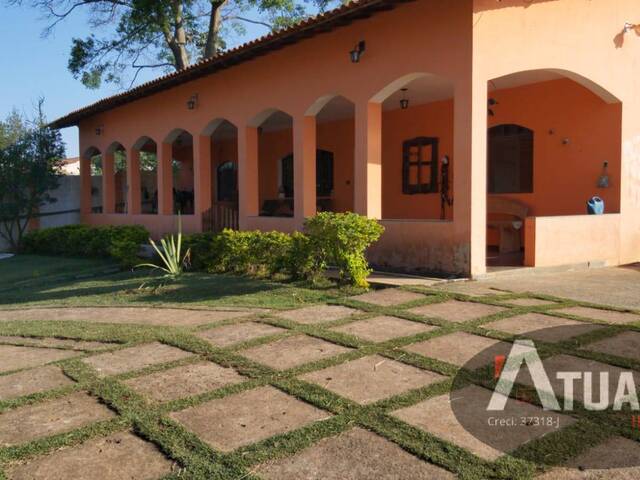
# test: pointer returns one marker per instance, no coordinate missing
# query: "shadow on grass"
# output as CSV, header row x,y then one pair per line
x,y
192,289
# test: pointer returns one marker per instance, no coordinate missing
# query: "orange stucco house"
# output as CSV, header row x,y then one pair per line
x,y
475,130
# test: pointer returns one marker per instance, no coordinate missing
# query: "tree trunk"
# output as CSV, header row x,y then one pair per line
x,y
178,42
212,46
180,55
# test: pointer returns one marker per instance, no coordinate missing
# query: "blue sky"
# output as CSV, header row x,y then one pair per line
x,y
37,67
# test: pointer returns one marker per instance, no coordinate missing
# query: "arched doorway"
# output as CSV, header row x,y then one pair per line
x,y
553,142
227,182
324,179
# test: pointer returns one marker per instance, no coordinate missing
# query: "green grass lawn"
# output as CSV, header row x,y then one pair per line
x,y
32,280
28,280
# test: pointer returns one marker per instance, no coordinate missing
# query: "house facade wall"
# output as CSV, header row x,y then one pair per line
x,y
468,42
584,41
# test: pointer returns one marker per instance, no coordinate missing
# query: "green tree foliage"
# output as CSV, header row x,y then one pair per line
x,y
31,155
134,35
12,128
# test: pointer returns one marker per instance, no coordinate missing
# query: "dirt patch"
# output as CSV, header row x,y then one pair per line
x,y
247,417
293,351
626,344
57,343
529,302
318,314
241,332
128,315
436,416
49,418
373,378
608,316
542,327
333,459
118,456
449,348
617,458
32,381
16,358
135,358
381,329
455,311
388,297
184,381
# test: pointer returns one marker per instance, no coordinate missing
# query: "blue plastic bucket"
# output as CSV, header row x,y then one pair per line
x,y
595,206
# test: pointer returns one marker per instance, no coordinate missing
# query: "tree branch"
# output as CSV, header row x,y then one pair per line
x,y
250,20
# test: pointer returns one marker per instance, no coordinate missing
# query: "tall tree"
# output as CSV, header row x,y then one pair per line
x,y
12,128
29,167
136,35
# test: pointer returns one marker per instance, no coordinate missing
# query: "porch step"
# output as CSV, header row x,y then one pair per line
x,y
501,272
400,279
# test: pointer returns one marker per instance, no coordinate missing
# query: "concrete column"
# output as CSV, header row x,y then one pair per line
x,y
165,179
248,200
202,173
304,167
85,185
470,176
368,160
108,183
133,182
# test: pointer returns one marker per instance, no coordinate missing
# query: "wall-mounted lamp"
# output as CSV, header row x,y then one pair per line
x,y
404,101
192,103
99,130
357,51
603,181
628,26
492,102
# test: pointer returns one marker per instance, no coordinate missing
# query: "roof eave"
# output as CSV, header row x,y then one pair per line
x,y
324,23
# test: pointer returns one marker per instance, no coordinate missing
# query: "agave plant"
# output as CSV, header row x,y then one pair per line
x,y
170,253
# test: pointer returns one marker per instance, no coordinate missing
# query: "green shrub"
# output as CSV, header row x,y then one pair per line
x,y
252,253
119,242
301,263
337,239
341,239
205,253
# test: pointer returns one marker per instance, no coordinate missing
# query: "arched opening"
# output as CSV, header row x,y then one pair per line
x,y
94,157
553,143
275,142
224,162
120,176
417,148
227,182
182,170
335,141
148,160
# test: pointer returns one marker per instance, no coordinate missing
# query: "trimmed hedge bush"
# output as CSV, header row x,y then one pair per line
x,y
119,242
341,240
337,239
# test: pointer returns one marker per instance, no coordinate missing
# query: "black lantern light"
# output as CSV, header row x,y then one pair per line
x,y
492,103
357,51
404,101
192,103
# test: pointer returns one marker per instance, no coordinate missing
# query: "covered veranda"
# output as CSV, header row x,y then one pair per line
x,y
467,162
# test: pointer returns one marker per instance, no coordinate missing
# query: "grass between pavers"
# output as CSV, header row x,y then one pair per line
x,y
198,460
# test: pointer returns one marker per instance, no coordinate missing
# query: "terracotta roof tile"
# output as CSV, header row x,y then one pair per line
x,y
312,26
